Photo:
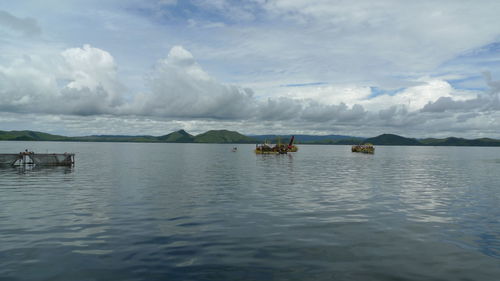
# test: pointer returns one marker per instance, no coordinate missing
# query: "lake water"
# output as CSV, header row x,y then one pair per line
x,y
129,211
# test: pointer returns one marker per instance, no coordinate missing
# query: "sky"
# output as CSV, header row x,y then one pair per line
x,y
360,68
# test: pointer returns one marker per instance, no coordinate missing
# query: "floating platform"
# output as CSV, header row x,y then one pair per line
x,y
363,148
41,159
276,149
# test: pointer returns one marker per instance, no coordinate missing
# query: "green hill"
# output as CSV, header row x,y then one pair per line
x,y
432,141
460,142
178,136
30,136
115,138
347,141
299,139
486,142
223,136
390,139
350,141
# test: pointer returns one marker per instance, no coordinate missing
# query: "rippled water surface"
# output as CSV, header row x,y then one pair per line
x,y
201,212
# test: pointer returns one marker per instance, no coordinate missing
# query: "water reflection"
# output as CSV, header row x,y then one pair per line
x,y
35,169
202,212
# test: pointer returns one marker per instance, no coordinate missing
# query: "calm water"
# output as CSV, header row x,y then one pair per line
x,y
201,212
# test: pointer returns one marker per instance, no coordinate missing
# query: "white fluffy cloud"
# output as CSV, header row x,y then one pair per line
x,y
329,94
180,88
92,68
78,81
484,102
180,94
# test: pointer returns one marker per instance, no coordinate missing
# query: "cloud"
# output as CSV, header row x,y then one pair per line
x,y
79,81
384,43
282,108
233,10
181,94
414,98
414,53
25,87
93,69
180,88
330,94
494,85
316,112
167,2
393,112
83,82
27,26
486,101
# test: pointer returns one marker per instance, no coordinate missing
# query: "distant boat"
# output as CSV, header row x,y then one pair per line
x,y
363,148
234,149
279,148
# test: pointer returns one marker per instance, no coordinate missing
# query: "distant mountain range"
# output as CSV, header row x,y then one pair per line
x,y
181,136
304,138
225,136
389,139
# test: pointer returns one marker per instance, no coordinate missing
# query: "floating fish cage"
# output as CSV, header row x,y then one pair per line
x,y
276,149
364,148
41,159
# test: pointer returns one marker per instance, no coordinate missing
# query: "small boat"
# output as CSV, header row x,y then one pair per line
x,y
234,149
363,148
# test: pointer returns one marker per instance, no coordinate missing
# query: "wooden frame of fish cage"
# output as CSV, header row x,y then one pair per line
x,y
43,159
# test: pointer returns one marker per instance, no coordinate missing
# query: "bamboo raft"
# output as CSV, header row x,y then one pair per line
x,y
41,159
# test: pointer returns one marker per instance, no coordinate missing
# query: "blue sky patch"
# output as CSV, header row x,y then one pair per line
x,y
375,91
